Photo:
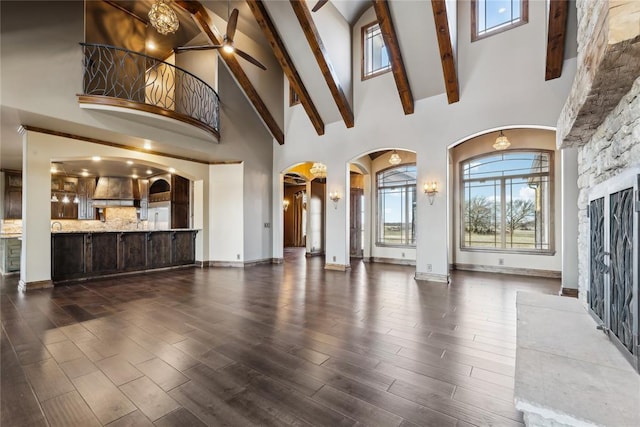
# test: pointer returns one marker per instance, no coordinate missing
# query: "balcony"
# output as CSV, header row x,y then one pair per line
x,y
117,79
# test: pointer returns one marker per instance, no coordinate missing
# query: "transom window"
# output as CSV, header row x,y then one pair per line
x,y
397,206
507,202
490,17
375,58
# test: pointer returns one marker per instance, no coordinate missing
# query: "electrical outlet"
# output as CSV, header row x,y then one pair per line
x,y
237,256
429,268
334,258
267,225
402,254
500,261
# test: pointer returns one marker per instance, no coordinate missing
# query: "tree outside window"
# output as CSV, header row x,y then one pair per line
x,y
396,189
507,202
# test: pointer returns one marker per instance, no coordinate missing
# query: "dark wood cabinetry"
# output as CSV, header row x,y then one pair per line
x,y
180,195
159,249
61,187
12,195
133,251
83,255
68,255
143,185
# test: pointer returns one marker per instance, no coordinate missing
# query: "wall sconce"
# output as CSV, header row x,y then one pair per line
x,y
431,189
285,205
335,197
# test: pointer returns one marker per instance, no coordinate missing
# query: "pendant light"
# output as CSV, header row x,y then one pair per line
x,y
502,143
395,158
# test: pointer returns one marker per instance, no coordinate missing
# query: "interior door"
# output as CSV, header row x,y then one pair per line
x,y
355,240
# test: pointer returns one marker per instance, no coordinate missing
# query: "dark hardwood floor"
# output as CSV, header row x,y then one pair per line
x,y
287,344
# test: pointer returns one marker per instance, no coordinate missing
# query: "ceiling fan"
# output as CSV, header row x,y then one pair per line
x,y
227,43
319,5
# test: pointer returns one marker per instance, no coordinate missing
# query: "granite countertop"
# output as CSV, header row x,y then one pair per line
x,y
119,231
10,235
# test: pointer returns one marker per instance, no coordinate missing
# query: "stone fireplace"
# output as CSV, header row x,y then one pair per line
x,y
601,118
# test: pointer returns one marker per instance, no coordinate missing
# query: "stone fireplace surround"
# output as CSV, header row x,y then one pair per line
x,y
601,119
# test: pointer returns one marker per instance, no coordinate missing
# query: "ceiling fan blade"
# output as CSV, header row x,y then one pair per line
x,y
202,47
319,5
231,25
250,58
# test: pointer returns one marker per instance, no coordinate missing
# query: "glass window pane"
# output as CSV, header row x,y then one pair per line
x,y
376,58
494,15
482,214
396,205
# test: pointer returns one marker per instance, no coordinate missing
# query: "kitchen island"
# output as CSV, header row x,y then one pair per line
x,y
77,255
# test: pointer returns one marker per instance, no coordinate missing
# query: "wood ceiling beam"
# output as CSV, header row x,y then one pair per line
x,y
388,31
317,47
558,14
201,16
288,67
443,34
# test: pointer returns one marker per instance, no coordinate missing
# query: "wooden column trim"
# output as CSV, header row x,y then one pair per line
x,y
317,47
202,18
388,31
288,67
558,14
446,50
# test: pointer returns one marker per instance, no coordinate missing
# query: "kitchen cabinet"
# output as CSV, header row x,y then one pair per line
x,y
159,249
80,255
86,188
133,251
13,195
180,195
184,248
68,255
10,255
64,186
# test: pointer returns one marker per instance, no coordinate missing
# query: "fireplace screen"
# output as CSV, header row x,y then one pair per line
x,y
613,268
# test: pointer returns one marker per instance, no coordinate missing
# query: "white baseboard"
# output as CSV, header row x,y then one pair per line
x,y
509,270
432,277
337,267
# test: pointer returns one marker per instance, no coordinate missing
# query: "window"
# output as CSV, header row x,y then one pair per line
x,y
293,97
507,202
397,206
490,17
375,59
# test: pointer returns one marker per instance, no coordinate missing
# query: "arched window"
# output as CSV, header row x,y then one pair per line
x,y
507,202
396,189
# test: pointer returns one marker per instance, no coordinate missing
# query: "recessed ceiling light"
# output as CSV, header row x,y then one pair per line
x,y
151,45
96,158
149,171
129,162
172,170
502,10
84,173
147,145
134,176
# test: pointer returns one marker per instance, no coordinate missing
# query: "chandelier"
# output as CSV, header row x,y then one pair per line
x,y
395,158
502,143
163,17
318,170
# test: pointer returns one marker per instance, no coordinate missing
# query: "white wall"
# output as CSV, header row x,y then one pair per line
x,y
520,139
502,81
226,213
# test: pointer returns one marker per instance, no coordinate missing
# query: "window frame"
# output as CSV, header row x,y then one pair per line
x,y
364,76
551,251
475,36
294,99
378,241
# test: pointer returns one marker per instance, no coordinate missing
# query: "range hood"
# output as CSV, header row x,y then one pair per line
x,y
116,191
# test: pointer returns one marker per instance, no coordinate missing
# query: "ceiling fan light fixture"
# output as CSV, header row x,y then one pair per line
x,y
163,17
502,142
228,48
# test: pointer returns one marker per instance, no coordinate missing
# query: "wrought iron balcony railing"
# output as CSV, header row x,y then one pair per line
x,y
137,81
